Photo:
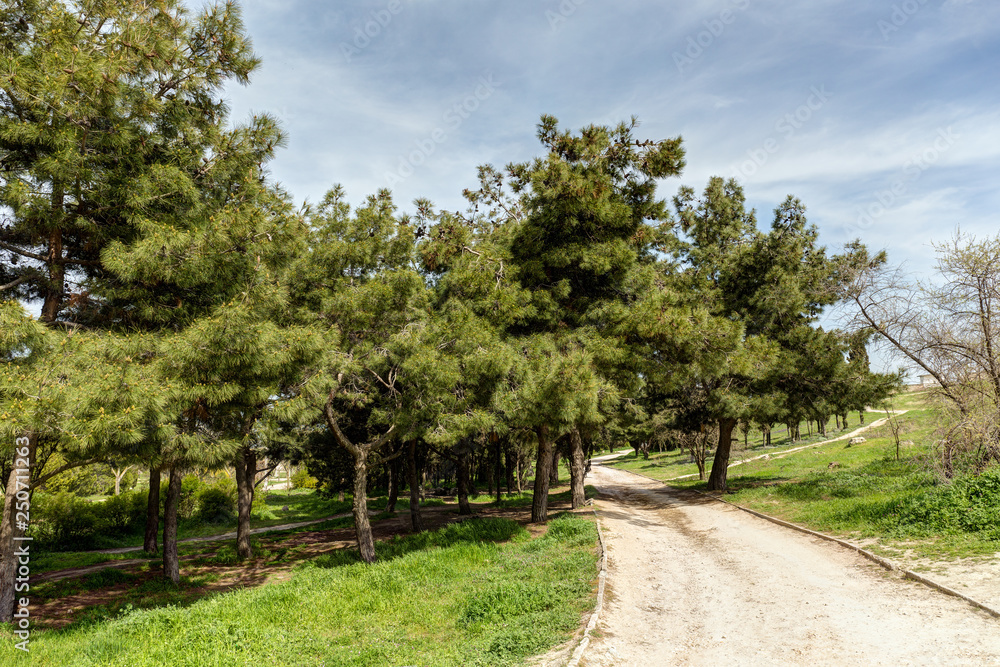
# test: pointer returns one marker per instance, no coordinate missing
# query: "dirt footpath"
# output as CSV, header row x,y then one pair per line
x,y
692,581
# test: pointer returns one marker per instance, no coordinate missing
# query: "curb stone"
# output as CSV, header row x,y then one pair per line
x,y
601,578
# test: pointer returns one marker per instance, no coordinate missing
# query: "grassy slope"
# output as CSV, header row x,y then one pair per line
x,y
670,465
481,592
863,492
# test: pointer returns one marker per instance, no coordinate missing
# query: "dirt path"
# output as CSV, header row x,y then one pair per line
x,y
692,581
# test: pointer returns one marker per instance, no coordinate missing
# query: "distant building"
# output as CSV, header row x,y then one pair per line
x,y
929,381
923,382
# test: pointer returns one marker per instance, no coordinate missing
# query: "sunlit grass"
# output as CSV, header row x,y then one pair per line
x,y
480,592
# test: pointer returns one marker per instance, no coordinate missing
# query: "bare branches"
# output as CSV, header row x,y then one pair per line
x,y
949,330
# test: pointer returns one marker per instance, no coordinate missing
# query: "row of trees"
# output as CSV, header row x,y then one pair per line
x,y
192,316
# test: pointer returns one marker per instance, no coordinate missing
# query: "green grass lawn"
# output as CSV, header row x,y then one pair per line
x,y
480,592
863,492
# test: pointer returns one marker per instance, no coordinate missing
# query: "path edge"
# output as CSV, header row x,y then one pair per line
x,y
602,576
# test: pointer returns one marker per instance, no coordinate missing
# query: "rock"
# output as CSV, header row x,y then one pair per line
x,y
905,443
285,508
856,441
833,464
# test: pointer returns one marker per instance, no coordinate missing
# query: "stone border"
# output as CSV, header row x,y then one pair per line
x,y
878,560
574,661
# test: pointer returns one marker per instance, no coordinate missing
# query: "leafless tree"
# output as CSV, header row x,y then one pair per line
x,y
949,329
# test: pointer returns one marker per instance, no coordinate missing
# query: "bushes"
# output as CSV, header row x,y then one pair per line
x,y
303,480
217,502
121,514
62,520
968,505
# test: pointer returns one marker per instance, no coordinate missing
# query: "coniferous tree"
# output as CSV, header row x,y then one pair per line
x,y
585,252
775,285
358,282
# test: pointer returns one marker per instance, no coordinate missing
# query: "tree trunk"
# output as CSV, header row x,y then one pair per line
x,y
246,471
17,499
394,472
498,468
554,469
416,525
720,465
576,469
543,463
462,466
53,298
366,543
171,565
489,477
861,416
509,468
152,511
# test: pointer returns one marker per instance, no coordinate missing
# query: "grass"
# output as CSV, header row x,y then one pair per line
x,y
479,592
678,463
862,492
304,505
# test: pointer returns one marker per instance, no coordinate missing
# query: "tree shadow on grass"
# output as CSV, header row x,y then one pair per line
x,y
107,594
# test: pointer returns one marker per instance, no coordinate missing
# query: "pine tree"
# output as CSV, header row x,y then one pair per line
x,y
109,122
358,283
80,394
775,286
582,245
134,206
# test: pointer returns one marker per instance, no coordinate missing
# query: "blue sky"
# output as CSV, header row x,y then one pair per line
x,y
883,117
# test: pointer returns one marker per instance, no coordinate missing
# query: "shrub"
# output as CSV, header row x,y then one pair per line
x,y
89,480
303,480
969,504
216,503
122,513
63,521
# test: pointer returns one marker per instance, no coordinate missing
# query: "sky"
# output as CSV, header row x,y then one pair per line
x,y
883,117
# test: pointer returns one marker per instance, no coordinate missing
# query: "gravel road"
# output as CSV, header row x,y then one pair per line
x,y
692,581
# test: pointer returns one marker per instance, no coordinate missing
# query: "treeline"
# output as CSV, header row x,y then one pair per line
x,y
193,317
